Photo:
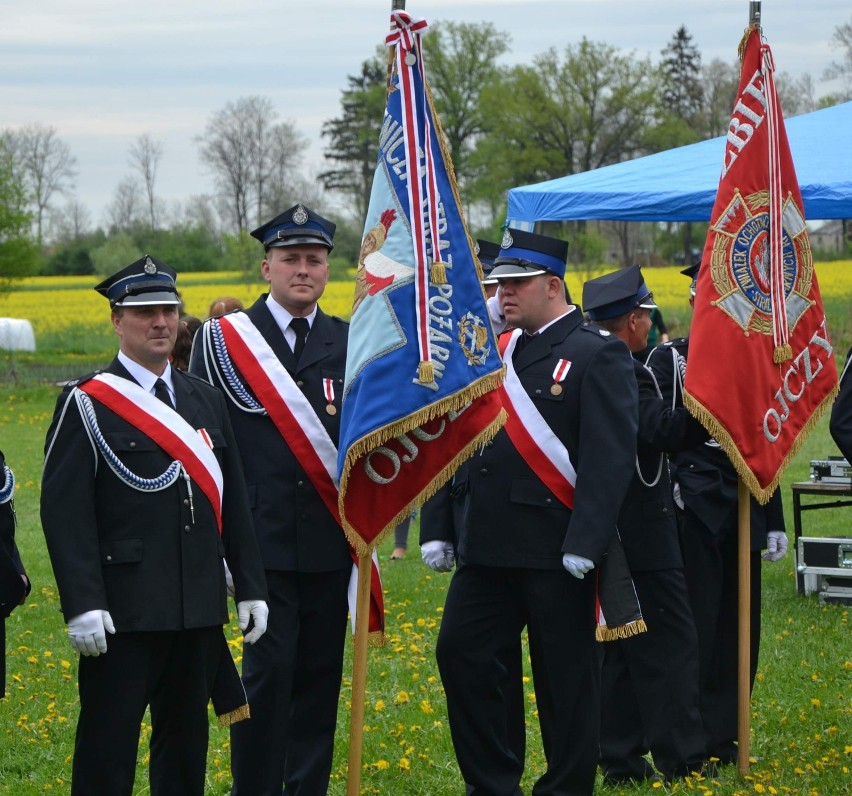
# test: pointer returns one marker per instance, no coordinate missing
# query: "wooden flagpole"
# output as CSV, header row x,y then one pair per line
x,y
359,674
744,567
362,624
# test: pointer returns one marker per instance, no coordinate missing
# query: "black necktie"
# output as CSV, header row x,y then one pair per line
x,y
162,392
525,338
301,327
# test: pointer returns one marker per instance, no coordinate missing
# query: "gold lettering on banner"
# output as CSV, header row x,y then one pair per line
x,y
798,376
384,464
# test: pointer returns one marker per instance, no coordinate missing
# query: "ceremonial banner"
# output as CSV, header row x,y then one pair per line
x,y
761,368
422,368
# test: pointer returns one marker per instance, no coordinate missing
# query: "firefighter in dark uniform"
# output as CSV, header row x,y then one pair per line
x,y
705,489
137,546
649,682
293,675
523,555
14,583
841,412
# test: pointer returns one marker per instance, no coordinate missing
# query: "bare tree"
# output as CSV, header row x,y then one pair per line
x,y
249,155
47,165
70,222
842,68
125,208
145,157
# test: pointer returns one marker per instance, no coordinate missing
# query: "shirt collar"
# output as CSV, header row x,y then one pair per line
x,y
283,317
145,377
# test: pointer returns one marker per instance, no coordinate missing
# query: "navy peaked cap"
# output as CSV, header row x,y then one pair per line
x,y
528,254
487,253
294,227
615,294
146,281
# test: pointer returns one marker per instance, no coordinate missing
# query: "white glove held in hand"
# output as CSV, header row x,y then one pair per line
x,y
776,546
87,632
577,565
256,610
229,580
495,313
438,555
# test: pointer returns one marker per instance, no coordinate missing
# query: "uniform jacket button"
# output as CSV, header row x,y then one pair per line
x,y
109,558
132,444
186,528
483,471
300,383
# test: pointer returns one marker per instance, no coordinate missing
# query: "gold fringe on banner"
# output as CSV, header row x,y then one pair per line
x,y
232,717
782,353
438,274
726,442
607,633
380,436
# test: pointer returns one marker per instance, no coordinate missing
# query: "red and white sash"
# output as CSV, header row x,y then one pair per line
x,y
166,427
534,439
298,424
285,404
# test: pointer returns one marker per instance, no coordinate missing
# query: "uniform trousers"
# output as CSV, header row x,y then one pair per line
x,y
649,687
173,672
712,575
486,611
292,678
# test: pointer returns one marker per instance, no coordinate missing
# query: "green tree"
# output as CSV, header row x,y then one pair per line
x,y
461,61
682,93
115,253
353,136
564,115
18,252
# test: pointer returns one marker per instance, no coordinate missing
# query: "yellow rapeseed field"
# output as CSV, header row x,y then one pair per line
x,y
56,304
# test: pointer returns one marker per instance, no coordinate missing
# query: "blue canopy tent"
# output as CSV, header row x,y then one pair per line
x,y
680,184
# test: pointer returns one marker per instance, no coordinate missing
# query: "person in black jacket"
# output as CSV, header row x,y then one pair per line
x,y
14,583
143,498
841,413
523,553
705,489
293,675
649,683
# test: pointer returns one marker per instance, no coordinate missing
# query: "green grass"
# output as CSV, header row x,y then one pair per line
x,y
801,708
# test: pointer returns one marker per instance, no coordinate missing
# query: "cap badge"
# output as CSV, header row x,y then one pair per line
x,y
300,215
149,267
507,241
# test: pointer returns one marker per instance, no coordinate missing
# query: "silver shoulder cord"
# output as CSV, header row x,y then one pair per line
x,y
662,455
174,471
8,488
215,351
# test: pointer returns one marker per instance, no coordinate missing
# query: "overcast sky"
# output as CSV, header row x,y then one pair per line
x,y
102,72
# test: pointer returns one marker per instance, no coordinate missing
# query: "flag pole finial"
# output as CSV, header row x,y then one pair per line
x,y
754,13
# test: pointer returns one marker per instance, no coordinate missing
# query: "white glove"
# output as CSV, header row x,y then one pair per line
x,y
776,546
577,565
438,555
495,313
677,496
87,632
229,580
256,610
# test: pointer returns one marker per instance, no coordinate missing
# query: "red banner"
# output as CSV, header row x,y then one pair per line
x,y
761,368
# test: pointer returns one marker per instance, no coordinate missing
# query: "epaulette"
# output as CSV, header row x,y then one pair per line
x,y
594,329
71,383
